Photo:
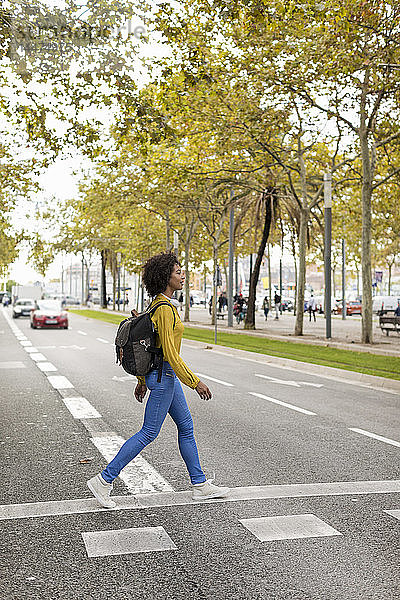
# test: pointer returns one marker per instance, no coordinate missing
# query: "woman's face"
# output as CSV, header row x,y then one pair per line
x,y
177,278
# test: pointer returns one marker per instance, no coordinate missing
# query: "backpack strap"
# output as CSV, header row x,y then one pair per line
x,y
151,311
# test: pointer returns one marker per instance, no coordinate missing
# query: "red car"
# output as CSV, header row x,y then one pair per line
x,y
49,313
352,308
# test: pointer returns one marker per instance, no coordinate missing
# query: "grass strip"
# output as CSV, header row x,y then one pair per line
x,y
349,360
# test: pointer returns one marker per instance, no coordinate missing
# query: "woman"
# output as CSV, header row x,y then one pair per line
x,y
162,276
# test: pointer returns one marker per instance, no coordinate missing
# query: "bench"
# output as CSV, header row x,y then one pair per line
x,y
389,324
220,315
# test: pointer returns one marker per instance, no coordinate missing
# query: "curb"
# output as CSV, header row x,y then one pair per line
x,y
351,377
299,340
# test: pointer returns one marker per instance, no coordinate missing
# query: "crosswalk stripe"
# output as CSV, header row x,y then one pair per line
x,y
139,476
288,527
165,499
116,542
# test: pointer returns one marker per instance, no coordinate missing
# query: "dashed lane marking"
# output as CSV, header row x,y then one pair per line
x,y
215,380
59,382
238,494
127,541
30,349
139,476
81,332
80,408
25,343
288,527
374,436
393,513
103,341
46,366
285,404
36,356
12,364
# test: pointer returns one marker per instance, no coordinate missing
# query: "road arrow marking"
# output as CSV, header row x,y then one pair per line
x,y
288,381
123,378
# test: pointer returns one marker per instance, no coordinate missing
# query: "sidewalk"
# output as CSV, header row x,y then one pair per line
x,y
346,334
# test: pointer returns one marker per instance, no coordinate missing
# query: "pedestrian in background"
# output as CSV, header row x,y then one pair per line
x,y
180,300
162,277
312,307
277,301
397,311
266,307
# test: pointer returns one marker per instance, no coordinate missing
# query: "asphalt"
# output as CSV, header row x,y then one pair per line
x,y
246,440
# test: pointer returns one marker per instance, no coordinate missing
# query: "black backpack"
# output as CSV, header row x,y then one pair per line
x,y
135,344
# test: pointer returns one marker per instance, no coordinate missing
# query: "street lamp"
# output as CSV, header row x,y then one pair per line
x,y
327,251
119,279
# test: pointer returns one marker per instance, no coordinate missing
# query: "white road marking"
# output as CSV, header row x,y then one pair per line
x,y
59,382
37,356
393,513
275,380
12,364
216,380
116,542
26,343
46,366
288,382
303,367
30,349
239,494
123,378
80,408
285,404
81,332
288,527
103,341
375,436
139,476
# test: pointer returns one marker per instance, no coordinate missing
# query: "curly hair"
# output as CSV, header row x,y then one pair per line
x,y
157,272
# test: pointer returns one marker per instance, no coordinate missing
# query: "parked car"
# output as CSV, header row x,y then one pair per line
x,y
352,308
383,304
23,307
71,300
49,313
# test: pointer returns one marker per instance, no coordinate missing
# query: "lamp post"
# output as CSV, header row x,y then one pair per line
x,y
119,279
327,251
230,264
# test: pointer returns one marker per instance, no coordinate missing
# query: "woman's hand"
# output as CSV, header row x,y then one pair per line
x,y
140,391
203,391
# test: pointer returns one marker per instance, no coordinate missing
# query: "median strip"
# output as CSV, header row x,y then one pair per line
x,y
347,360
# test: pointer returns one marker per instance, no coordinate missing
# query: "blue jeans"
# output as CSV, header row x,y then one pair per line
x,y
165,397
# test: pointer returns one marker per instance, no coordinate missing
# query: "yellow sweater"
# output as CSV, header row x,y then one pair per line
x,y
170,338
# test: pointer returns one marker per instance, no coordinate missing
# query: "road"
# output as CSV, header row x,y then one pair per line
x,y
312,463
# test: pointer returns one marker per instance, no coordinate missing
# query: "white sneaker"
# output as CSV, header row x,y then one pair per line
x,y
207,490
101,490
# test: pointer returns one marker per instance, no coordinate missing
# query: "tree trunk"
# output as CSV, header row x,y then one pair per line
x,y
167,231
187,283
334,280
366,195
214,297
304,216
390,279
269,279
103,286
295,275
358,281
269,198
